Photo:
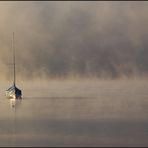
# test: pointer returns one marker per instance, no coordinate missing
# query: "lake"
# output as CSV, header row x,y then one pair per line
x,y
76,113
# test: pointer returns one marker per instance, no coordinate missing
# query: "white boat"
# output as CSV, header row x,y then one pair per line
x,y
13,92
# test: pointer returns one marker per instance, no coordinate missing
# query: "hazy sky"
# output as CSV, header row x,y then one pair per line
x,y
96,38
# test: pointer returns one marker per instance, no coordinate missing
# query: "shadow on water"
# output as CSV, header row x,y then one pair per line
x,y
48,98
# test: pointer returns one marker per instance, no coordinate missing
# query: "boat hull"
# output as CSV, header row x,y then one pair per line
x,y
13,93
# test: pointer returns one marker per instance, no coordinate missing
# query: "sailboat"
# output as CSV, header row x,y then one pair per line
x,y
13,92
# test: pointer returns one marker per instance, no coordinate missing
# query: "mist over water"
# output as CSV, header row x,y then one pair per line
x,y
77,113
82,68
101,39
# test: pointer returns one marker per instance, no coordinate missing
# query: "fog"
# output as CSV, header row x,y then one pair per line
x,y
82,68
60,39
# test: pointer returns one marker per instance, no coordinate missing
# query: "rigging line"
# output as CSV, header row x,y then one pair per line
x,y
13,46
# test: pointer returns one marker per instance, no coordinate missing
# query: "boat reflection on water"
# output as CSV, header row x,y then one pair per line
x,y
14,103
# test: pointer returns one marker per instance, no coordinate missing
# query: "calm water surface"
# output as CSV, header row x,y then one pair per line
x,y
77,114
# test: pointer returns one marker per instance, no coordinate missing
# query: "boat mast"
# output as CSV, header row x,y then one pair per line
x,y
13,59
